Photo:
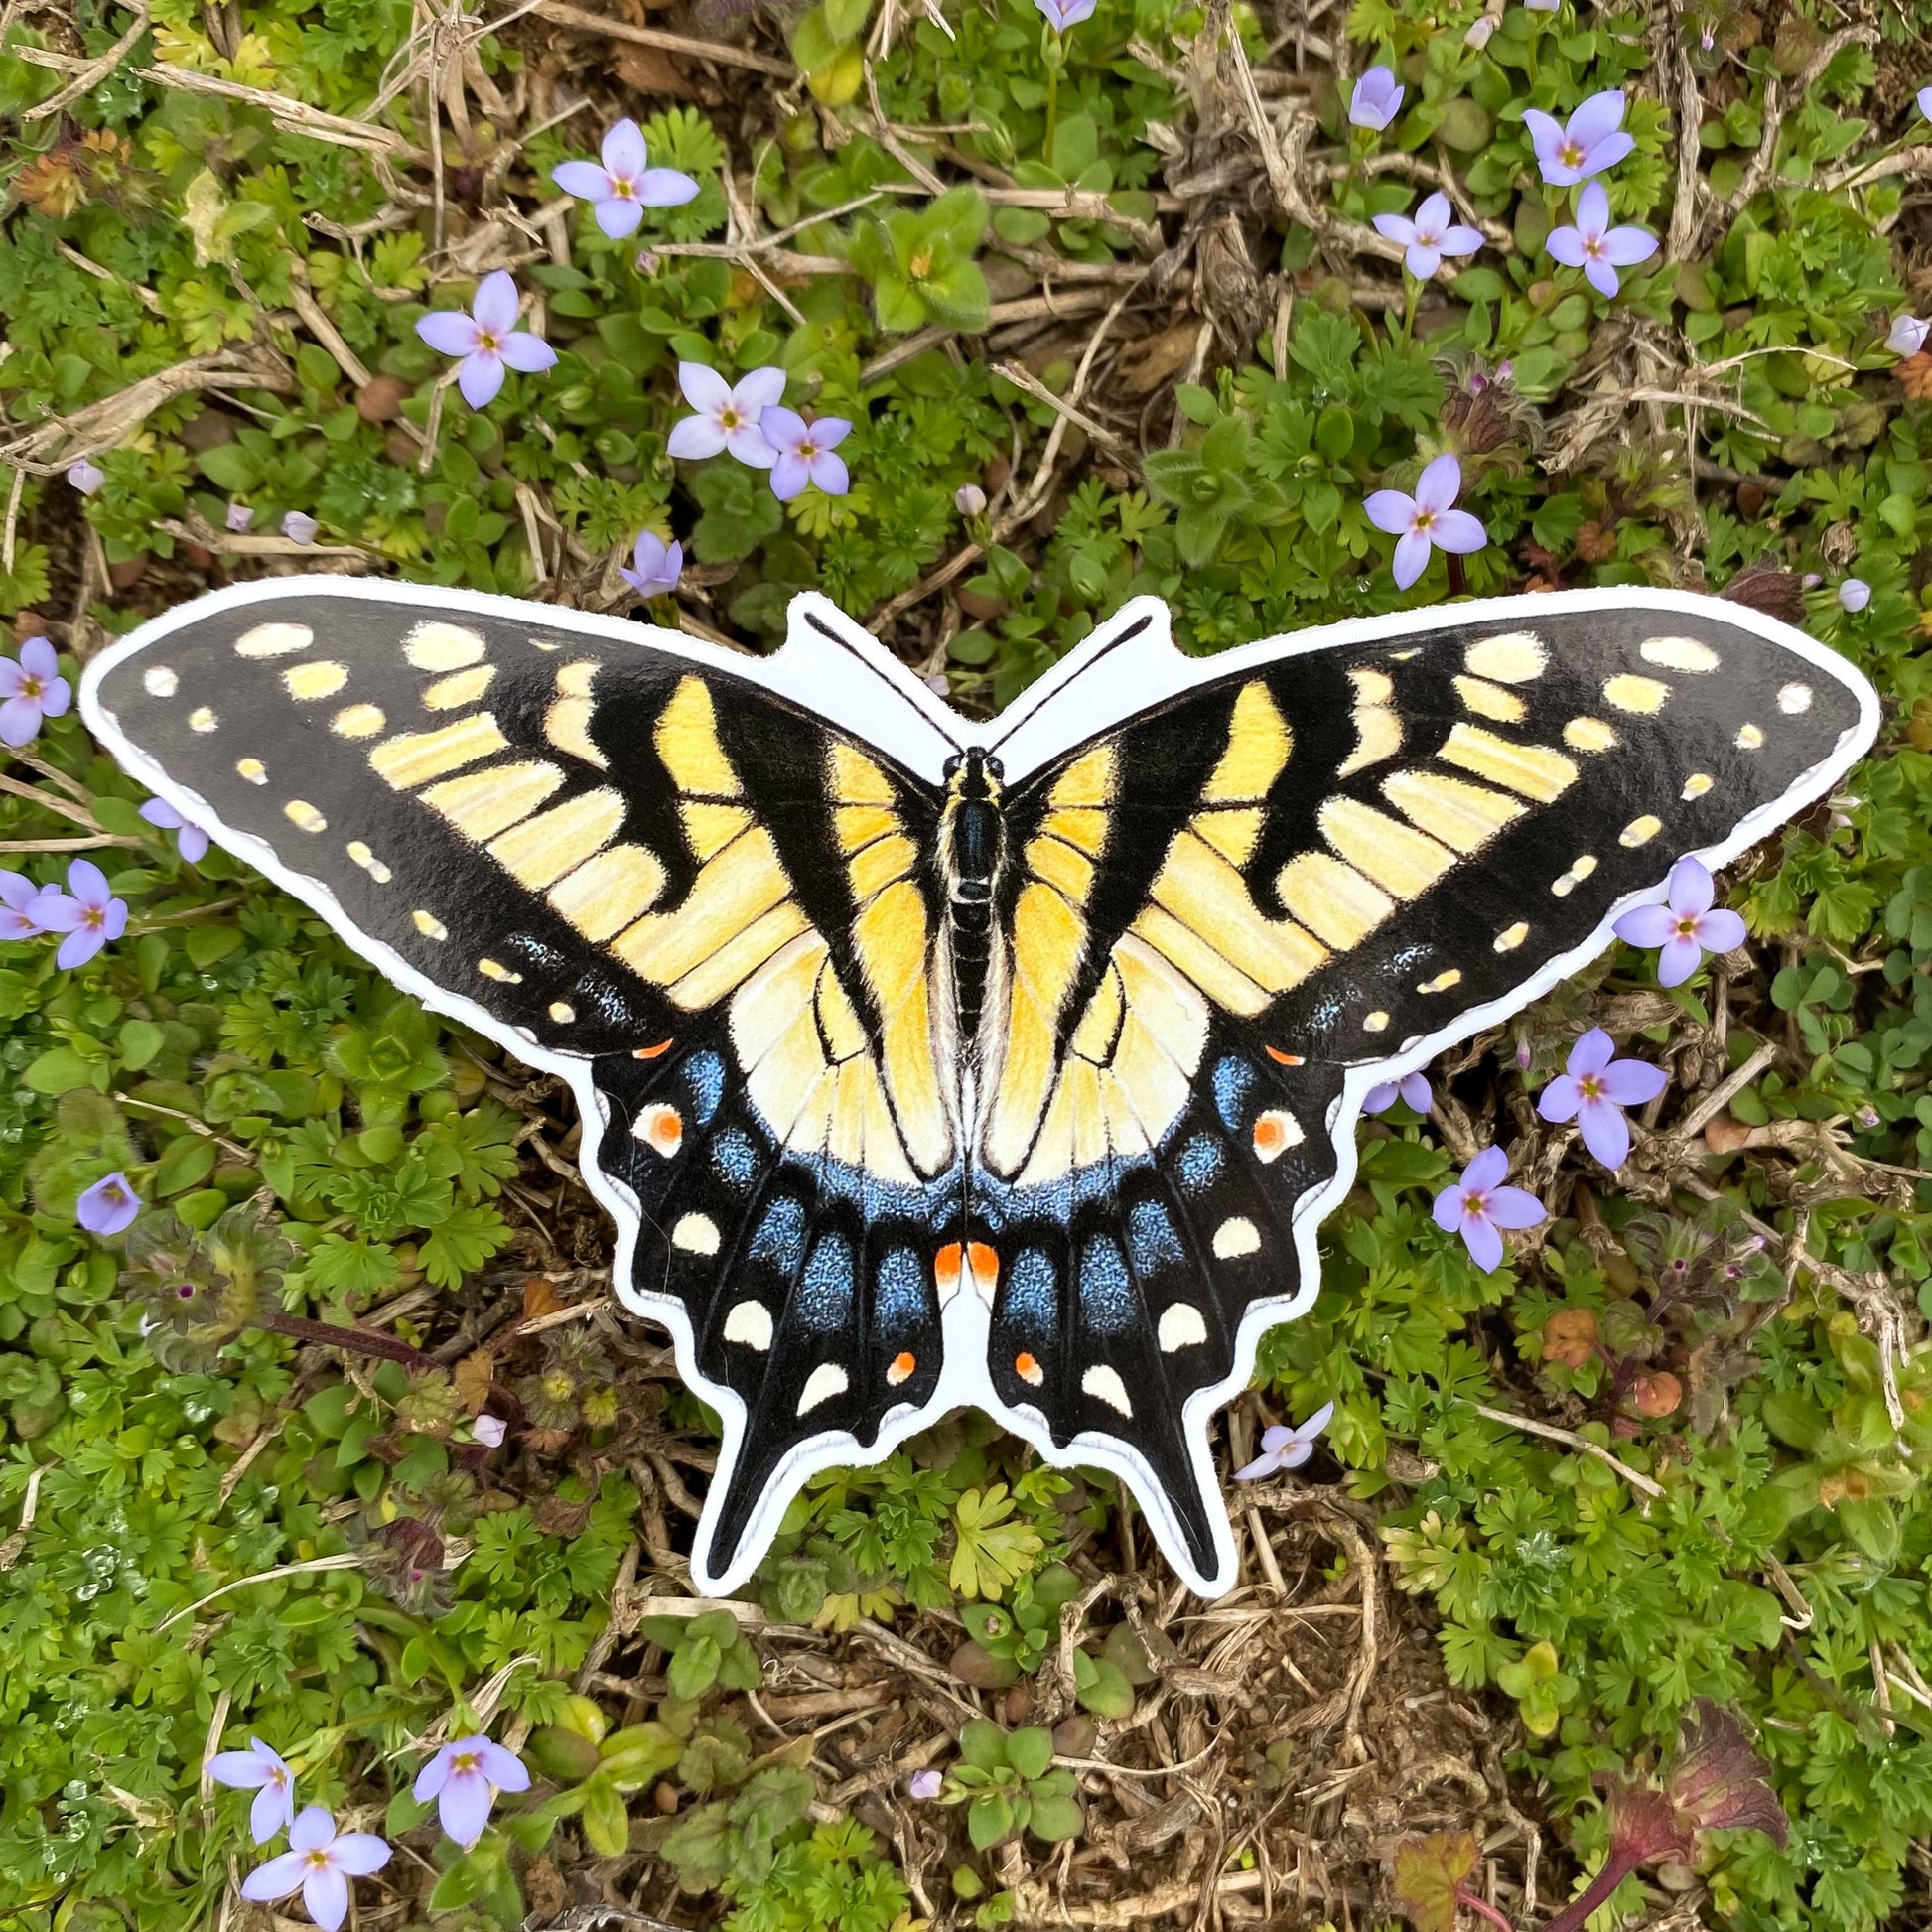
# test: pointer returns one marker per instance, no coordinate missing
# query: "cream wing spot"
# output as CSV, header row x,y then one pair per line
x,y
1794,699
1104,1385
1181,1326
1443,981
1516,657
748,1325
157,681
320,678
1679,654
452,693
202,719
303,816
494,969
1640,831
1696,785
274,640
437,645
1749,738
562,1011
825,1381
1489,700
358,720
1590,735
1235,1238
1643,697
696,1234
253,769
1512,936
1376,1023
370,863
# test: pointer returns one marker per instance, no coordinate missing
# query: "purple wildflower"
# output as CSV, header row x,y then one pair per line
x,y
190,840
1541,6
1907,335
1592,140
804,453
300,528
319,1864
262,1771
1854,594
86,476
19,898
1285,1449
1376,99
1478,1208
925,1785
487,339
1412,1087
1685,927
1062,13
464,1778
1430,237
32,689
621,187
1596,247
489,1431
727,416
1595,1089
90,918
239,518
1925,102
107,1207
1428,517
969,500
654,566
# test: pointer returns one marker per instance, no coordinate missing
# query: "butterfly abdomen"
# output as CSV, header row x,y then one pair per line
x,y
972,847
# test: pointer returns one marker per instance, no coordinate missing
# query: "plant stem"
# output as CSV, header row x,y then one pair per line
x,y
1482,1909
1053,107
1616,1867
364,1342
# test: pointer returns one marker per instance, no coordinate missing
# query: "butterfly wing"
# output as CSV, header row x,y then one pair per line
x,y
1298,874
627,862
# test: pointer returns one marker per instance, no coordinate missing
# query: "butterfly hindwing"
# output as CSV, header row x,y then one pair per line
x,y
703,904
1327,860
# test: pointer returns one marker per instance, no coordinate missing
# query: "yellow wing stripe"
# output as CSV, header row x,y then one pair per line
x,y
542,849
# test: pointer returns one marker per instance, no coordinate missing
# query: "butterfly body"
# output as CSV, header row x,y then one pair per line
x,y
925,1062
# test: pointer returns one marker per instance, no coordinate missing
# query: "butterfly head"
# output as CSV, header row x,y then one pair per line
x,y
974,775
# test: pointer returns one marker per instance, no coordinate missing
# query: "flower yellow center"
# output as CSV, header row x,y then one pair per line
x,y
489,339
728,417
1570,154
466,1760
31,687
318,1857
1686,928
1425,521
1590,1087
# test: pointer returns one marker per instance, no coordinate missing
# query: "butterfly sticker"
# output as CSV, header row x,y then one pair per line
x,y
928,1062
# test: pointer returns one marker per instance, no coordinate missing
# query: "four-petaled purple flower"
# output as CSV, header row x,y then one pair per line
x,y
319,1864
32,689
1412,1087
300,528
190,840
1428,517
262,1771
1062,13
804,453
1283,1448
925,1785
1685,927
464,1778
1854,594
487,339
239,518
654,566
90,918
1907,335
727,416
489,1431
1592,140
623,187
1596,247
1376,99
1478,1209
86,476
1925,102
1432,234
19,899
1594,1091
107,1207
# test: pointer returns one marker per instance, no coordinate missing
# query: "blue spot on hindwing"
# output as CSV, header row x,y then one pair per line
x,y
1106,1293
780,1236
900,1294
1199,1164
1030,1300
1150,1238
825,1288
734,1159
705,1076
1232,1081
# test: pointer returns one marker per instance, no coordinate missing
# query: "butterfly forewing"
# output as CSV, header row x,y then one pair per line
x,y
1324,860
708,906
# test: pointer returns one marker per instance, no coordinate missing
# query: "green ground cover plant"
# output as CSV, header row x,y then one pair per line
x,y
319,1427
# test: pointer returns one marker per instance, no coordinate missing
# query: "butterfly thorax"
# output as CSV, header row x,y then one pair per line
x,y
972,847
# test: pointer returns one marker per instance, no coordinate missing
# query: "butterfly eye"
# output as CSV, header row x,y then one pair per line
x,y
952,765
995,769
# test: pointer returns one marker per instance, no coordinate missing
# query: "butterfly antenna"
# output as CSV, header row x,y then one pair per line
x,y
864,658
1106,650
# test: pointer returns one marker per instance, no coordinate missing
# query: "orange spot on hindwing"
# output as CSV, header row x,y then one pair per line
x,y
664,1046
1029,1370
1280,1058
904,1363
660,1128
975,1261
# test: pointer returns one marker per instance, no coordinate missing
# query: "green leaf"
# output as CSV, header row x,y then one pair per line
x,y
983,1746
1428,1873
1054,1819
989,1818
1031,1750
606,1822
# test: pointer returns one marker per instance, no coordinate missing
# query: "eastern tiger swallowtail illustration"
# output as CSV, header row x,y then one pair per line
x,y
928,1062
